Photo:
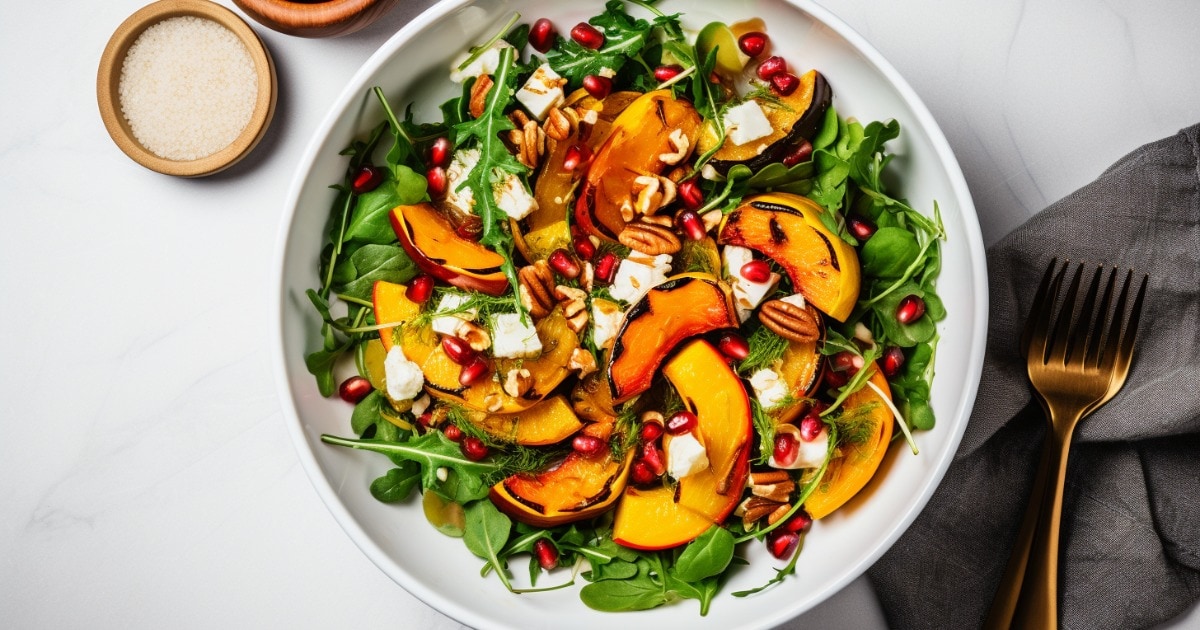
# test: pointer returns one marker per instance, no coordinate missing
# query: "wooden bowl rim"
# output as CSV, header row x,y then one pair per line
x,y
108,81
327,18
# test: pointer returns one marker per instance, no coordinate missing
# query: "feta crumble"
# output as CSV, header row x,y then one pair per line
x,y
769,387
637,274
685,456
485,63
542,92
448,324
403,377
746,294
512,339
746,123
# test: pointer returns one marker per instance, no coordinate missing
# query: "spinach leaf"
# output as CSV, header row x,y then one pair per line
x,y
615,570
889,252
371,221
397,484
640,592
487,529
371,263
706,556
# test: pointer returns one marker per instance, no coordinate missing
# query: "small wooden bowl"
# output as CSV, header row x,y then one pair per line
x,y
108,82
329,18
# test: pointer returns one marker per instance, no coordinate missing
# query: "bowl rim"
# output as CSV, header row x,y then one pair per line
x,y
108,80
978,307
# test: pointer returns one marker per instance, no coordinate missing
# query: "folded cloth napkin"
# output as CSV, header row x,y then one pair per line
x,y
1131,512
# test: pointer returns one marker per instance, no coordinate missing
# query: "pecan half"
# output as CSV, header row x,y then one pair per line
x,y
649,239
561,123
755,509
536,286
794,323
479,93
528,141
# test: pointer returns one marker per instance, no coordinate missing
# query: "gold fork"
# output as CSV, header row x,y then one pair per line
x,y
1077,360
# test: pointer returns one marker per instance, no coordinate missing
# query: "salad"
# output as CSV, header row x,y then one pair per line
x,y
638,300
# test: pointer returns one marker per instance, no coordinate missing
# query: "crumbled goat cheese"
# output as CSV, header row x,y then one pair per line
x,y
685,456
606,322
462,164
637,274
512,339
746,294
448,324
808,454
513,198
747,122
403,377
769,387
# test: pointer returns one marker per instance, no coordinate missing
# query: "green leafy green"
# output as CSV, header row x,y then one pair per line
x,y
397,484
706,556
486,532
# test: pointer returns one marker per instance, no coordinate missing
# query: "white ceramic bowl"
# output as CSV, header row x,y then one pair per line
x,y
439,570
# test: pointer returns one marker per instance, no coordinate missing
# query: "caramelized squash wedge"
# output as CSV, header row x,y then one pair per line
x,y
582,486
548,422
800,367
788,229
437,249
681,307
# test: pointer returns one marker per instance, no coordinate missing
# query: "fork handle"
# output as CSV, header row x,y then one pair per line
x,y
1037,606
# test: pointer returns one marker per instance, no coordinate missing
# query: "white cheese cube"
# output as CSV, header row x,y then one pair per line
x,y
637,274
403,377
542,92
808,454
464,160
606,322
795,299
513,198
485,63
448,324
514,339
747,122
769,387
746,294
685,456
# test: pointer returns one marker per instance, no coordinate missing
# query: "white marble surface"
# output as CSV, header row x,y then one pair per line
x,y
146,476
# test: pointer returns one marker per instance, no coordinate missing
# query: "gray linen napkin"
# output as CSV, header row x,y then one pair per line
x,y
1131,512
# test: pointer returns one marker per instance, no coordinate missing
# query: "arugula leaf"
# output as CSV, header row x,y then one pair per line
x,y
397,484
624,38
487,529
432,451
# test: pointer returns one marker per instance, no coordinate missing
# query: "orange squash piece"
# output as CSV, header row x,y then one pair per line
x,y
848,474
548,422
430,240
582,486
392,306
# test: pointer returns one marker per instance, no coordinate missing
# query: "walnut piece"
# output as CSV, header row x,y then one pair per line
x,y
518,382
679,148
794,323
649,239
583,361
536,286
475,335
574,306
652,192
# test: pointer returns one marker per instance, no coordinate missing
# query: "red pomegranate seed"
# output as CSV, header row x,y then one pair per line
x,y
474,371
756,271
910,309
584,247
439,152
453,433
587,36
893,360
689,191
473,448
690,223
545,551
651,431
470,228
436,176
734,346
577,155
653,458
786,449
801,153
836,379
665,73
860,227
587,444
598,86
810,428
681,422
562,263
846,361
458,350
425,418
782,544
784,83
798,523
367,178
606,268
354,389
419,288
770,67
641,474
541,35
753,44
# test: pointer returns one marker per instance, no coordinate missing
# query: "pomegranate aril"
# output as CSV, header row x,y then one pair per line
x,y
419,288
587,36
893,360
782,544
681,422
458,350
474,371
846,361
810,428
786,449
587,444
798,523
562,263
651,431
546,553
453,433
734,346
784,83
666,73
470,228
577,155
367,178
598,86
691,195
354,389
473,448
425,418
690,224
436,177
439,152
653,458
801,153
641,474
756,271
541,35
836,379
770,67
860,227
606,268
910,309
753,44
584,247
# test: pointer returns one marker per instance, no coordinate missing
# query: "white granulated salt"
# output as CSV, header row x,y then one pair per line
x,y
188,88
